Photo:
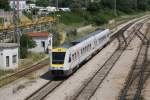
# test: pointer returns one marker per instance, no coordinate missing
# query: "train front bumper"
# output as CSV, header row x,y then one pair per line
x,y
59,71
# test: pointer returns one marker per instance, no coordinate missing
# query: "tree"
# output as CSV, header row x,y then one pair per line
x,y
43,3
25,43
142,5
56,37
4,4
93,7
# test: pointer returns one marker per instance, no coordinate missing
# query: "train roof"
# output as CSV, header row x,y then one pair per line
x,y
74,42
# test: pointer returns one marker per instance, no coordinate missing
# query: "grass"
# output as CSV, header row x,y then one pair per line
x,y
69,18
3,73
28,15
31,59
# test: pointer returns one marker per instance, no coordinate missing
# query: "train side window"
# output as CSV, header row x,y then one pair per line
x,y
78,54
73,56
86,48
69,58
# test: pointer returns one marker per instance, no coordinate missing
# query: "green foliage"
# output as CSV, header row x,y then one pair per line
x,y
43,3
25,43
71,17
23,52
1,20
30,1
27,14
4,4
56,37
127,6
98,12
93,7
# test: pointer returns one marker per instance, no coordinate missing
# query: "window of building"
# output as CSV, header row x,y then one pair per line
x,y
43,43
14,59
49,42
7,61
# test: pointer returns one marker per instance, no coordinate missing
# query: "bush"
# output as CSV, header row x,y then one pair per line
x,y
25,43
56,37
69,18
23,52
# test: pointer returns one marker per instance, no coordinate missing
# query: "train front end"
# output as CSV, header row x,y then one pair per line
x,y
57,62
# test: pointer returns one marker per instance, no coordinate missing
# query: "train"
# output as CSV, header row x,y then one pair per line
x,y
67,59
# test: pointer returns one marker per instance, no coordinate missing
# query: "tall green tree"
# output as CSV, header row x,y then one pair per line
x,y
43,3
25,43
4,4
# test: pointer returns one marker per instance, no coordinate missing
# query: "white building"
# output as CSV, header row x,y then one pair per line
x,y
42,39
22,4
8,56
51,9
65,9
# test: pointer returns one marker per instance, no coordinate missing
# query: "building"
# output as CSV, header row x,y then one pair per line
x,y
42,39
22,4
51,9
8,56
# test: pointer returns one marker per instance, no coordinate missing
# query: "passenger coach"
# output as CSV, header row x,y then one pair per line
x,y
67,58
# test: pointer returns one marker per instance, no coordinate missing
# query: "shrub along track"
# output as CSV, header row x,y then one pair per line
x,y
139,73
99,76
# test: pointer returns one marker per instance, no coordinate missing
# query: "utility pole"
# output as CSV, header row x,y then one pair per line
x,y
16,35
115,7
57,2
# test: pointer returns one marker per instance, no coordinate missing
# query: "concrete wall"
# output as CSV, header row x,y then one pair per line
x,y
8,52
39,47
1,58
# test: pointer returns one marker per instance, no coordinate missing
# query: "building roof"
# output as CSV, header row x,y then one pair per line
x,y
8,45
38,34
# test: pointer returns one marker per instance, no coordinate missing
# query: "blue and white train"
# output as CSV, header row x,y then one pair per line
x,y
66,59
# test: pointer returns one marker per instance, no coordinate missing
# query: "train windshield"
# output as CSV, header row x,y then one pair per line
x,y
58,57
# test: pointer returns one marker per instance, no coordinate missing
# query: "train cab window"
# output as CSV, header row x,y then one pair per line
x,y
58,57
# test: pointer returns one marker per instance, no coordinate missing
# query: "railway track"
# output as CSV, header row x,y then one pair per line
x,y
96,80
90,88
22,73
139,73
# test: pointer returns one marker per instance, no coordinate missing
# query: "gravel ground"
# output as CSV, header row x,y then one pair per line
x,y
111,86
146,89
18,90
